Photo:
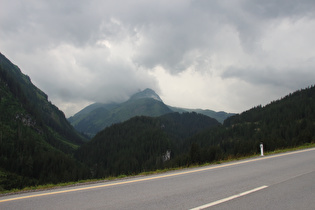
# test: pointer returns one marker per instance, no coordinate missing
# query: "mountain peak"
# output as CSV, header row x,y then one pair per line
x,y
147,93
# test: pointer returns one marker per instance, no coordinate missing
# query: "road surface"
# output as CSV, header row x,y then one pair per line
x,y
283,181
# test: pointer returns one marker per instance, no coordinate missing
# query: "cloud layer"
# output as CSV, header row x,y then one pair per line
x,y
219,55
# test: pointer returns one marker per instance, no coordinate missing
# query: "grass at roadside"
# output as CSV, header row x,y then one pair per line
x,y
305,146
90,181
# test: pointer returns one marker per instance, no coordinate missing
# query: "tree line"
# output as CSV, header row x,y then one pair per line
x,y
38,145
285,123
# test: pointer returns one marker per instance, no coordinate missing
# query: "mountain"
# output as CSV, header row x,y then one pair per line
x,y
147,93
284,123
37,142
177,140
141,143
219,116
39,146
98,116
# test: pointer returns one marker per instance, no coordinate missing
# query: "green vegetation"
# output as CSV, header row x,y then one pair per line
x,y
219,116
146,173
36,141
284,123
96,117
38,146
140,144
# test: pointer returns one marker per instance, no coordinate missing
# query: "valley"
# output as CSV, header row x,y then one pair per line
x,y
40,146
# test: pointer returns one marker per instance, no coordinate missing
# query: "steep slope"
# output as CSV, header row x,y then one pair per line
x,y
96,117
35,137
84,113
36,102
93,118
141,143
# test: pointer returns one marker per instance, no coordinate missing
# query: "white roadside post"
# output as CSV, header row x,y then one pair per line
x,y
261,149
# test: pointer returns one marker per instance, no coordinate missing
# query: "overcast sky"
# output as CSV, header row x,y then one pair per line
x,y
221,55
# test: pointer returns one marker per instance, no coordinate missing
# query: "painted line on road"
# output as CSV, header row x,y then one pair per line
x,y
155,177
229,198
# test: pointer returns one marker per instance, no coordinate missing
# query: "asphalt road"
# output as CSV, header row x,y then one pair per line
x,y
284,181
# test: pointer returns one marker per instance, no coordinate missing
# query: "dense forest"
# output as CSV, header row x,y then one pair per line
x,y
285,123
39,146
141,143
36,141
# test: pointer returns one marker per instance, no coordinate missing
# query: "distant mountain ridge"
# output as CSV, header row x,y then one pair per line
x,y
219,116
178,140
39,146
98,116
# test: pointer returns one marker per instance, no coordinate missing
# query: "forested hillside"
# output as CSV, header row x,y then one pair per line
x,y
141,143
36,141
98,116
285,123
219,116
39,146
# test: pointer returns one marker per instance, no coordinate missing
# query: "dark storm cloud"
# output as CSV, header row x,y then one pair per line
x,y
291,78
100,50
280,8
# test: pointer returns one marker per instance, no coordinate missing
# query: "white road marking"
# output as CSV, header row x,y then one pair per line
x,y
229,198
